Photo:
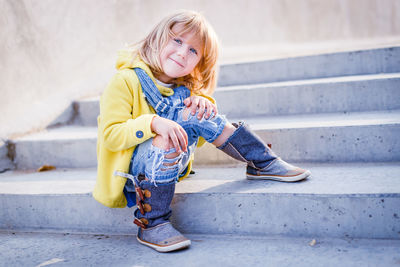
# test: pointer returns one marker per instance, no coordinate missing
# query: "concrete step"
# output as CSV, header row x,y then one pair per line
x,y
331,137
40,249
372,61
338,94
87,111
5,161
339,200
365,136
71,146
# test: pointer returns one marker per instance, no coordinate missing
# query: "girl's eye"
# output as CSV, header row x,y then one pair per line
x,y
194,51
179,41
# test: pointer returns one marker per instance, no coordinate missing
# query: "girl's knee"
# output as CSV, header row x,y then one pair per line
x,y
162,166
160,142
163,144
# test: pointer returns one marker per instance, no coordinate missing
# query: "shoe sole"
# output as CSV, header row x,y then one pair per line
x,y
288,179
177,246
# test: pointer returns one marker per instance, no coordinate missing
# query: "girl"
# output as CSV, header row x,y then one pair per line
x,y
150,124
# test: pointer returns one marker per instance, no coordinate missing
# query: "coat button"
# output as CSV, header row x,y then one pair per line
x,y
139,134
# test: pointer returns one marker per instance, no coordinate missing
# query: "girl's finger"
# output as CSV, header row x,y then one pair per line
x,y
183,139
202,106
194,105
209,108
175,142
214,107
215,110
187,101
166,141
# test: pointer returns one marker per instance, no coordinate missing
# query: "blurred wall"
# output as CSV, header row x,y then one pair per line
x,y
53,52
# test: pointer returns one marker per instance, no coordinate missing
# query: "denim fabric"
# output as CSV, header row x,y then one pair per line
x,y
262,162
153,95
209,128
160,200
147,159
172,107
245,146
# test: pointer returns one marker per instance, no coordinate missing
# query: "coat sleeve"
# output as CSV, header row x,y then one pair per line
x,y
119,129
212,100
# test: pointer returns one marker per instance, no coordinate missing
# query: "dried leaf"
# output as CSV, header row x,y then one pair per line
x,y
52,261
313,242
46,168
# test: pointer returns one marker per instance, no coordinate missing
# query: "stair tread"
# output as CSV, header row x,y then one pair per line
x,y
324,120
339,79
40,249
257,123
350,179
324,65
61,133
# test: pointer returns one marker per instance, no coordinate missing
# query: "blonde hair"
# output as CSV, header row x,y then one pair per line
x,y
203,78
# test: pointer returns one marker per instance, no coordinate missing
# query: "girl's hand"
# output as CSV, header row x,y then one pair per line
x,y
200,104
171,132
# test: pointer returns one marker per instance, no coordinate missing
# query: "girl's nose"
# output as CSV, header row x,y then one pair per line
x,y
182,52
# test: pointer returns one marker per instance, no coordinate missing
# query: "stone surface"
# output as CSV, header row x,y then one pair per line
x,y
364,136
338,200
71,146
339,94
336,137
78,49
39,249
5,161
385,60
329,95
89,110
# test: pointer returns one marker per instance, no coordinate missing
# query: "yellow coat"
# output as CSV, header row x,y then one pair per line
x,y
124,122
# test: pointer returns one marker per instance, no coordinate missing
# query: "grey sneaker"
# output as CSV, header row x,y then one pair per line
x,y
278,170
163,238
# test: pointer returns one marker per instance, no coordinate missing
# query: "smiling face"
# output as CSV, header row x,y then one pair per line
x,y
180,56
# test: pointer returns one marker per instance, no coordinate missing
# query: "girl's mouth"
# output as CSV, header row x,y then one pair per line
x,y
177,62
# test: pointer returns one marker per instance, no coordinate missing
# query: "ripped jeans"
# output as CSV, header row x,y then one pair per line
x,y
150,161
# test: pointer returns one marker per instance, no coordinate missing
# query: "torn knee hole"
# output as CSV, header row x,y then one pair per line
x,y
170,164
171,161
172,156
